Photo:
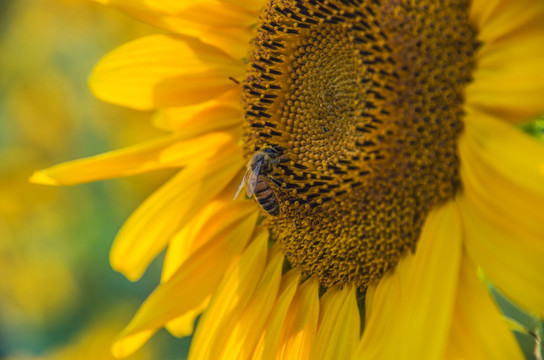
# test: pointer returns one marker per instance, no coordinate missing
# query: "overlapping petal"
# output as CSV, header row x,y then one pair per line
x,y
478,329
150,228
215,217
217,114
220,14
503,172
269,342
224,24
190,285
129,161
200,149
505,20
339,325
164,70
418,296
508,79
300,329
242,339
229,301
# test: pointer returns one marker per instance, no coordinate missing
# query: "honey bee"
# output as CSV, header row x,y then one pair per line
x,y
257,181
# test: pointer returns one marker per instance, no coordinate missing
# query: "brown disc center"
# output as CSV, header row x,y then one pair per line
x,y
364,104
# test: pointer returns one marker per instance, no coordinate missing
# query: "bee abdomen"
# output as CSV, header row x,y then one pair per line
x,y
265,197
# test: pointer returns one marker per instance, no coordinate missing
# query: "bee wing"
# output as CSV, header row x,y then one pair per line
x,y
253,177
242,184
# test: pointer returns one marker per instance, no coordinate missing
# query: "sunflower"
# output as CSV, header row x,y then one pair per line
x,y
385,168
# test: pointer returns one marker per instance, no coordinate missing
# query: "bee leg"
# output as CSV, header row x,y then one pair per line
x,y
283,159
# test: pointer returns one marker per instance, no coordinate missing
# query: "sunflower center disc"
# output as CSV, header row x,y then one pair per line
x,y
364,103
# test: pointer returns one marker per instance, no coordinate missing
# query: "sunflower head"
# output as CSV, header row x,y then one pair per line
x,y
367,109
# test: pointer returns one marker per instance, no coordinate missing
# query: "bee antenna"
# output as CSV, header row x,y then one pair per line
x,y
234,80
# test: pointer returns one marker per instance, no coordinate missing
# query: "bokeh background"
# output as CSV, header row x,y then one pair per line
x,y
59,298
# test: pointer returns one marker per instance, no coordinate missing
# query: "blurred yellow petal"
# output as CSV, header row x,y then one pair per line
x,y
93,341
242,338
184,325
200,118
163,70
196,279
300,328
149,229
128,346
514,156
199,149
129,161
501,21
250,6
509,81
503,174
479,330
212,12
232,40
339,325
418,296
229,300
216,13
267,347
216,23
193,88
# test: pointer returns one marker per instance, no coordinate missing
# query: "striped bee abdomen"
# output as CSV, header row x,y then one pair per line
x,y
265,196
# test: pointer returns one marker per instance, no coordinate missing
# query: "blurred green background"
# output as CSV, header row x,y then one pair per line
x,y
59,298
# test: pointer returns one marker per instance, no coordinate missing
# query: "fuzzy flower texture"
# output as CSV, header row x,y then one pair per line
x,y
381,167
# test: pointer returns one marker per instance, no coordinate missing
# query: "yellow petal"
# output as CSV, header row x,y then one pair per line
x,y
214,218
243,336
269,341
411,307
129,161
234,41
217,23
514,155
162,70
200,149
150,228
508,79
188,89
184,325
503,172
499,21
381,310
229,300
217,114
300,328
188,287
252,7
339,325
217,13
478,330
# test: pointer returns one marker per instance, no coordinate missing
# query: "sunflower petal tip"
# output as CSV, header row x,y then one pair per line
x,y
128,342
40,177
118,350
127,272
